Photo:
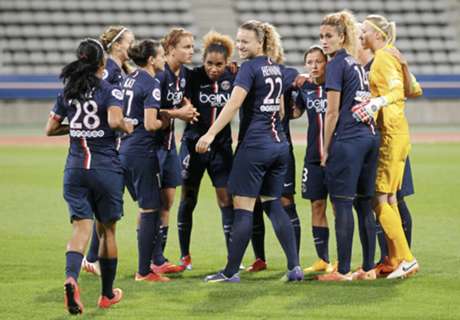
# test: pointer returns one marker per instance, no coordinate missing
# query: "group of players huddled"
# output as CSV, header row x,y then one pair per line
x,y
121,111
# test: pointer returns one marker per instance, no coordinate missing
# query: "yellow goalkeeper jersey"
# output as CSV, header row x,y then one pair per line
x,y
386,79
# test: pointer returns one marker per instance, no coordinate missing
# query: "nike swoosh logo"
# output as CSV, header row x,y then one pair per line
x,y
171,84
310,92
287,184
409,267
205,86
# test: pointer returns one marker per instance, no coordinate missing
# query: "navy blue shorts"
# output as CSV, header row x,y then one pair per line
x,y
94,193
142,179
313,181
407,187
289,178
218,162
170,169
351,167
259,170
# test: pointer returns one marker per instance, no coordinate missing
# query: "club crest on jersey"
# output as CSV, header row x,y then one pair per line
x,y
117,94
156,93
182,83
225,85
105,74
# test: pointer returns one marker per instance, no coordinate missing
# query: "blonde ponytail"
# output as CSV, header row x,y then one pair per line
x,y
386,28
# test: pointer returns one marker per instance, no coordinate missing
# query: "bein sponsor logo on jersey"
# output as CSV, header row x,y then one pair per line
x,y
86,133
320,105
175,97
214,99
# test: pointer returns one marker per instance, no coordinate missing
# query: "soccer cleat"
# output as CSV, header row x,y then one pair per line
x,y
296,274
319,266
186,262
257,266
72,297
167,267
105,302
334,276
151,277
384,269
360,274
221,277
404,270
91,267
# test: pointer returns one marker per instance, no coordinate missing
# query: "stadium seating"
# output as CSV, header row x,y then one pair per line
x,y
424,33
41,36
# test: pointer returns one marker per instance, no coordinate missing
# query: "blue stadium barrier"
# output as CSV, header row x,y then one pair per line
x,y
35,87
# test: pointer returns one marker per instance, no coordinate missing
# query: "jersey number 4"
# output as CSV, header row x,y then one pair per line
x,y
85,114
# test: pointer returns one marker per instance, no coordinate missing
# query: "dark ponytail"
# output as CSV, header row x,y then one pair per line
x,y
79,76
142,51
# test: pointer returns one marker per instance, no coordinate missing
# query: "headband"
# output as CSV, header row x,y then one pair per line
x,y
376,27
116,37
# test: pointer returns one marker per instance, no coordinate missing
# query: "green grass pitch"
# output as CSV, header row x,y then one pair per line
x,y
34,229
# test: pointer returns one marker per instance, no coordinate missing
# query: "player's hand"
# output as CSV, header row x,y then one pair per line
x,y
188,112
204,143
324,159
129,125
364,111
301,79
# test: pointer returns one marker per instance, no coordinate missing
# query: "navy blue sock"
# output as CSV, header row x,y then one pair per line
x,y
73,264
321,240
108,272
294,217
185,222
241,233
148,230
164,236
344,226
406,220
227,222
93,251
258,232
367,230
382,242
157,255
283,230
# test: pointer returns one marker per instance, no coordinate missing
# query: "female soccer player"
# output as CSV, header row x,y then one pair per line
x,y
138,150
350,147
172,82
261,158
209,88
93,180
116,40
312,99
387,88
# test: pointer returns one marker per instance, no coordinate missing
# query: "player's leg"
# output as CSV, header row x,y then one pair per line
x,y
258,239
90,262
287,201
226,208
407,189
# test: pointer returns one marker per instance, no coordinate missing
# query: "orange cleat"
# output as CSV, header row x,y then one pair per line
x,y
257,266
186,262
360,274
334,276
105,302
72,297
151,277
384,269
167,267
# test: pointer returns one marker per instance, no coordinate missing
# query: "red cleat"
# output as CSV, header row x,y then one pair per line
x,y
384,269
151,277
167,267
257,266
72,297
105,302
186,262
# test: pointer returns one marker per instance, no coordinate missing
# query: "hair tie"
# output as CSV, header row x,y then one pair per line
x,y
83,56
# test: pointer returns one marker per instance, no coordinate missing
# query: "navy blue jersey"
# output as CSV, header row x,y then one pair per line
x,y
113,74
290,95
139,93
92,142
209,97
259,116
172,91
313,99
345,75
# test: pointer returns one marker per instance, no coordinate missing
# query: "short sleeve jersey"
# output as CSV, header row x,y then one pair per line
x,y
259,116
312,98
139,93
209,98
344,74
92,141
113,73
172,91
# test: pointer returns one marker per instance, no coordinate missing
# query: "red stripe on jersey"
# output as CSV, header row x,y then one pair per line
x,y
269,61
213,115
87,152
177,84
170,138
215,87
274,131
320,140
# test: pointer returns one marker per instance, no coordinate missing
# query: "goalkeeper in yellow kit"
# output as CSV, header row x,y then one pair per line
x,y
387,89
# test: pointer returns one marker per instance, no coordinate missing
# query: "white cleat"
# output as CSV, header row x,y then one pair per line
x,y
404,270
91,267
